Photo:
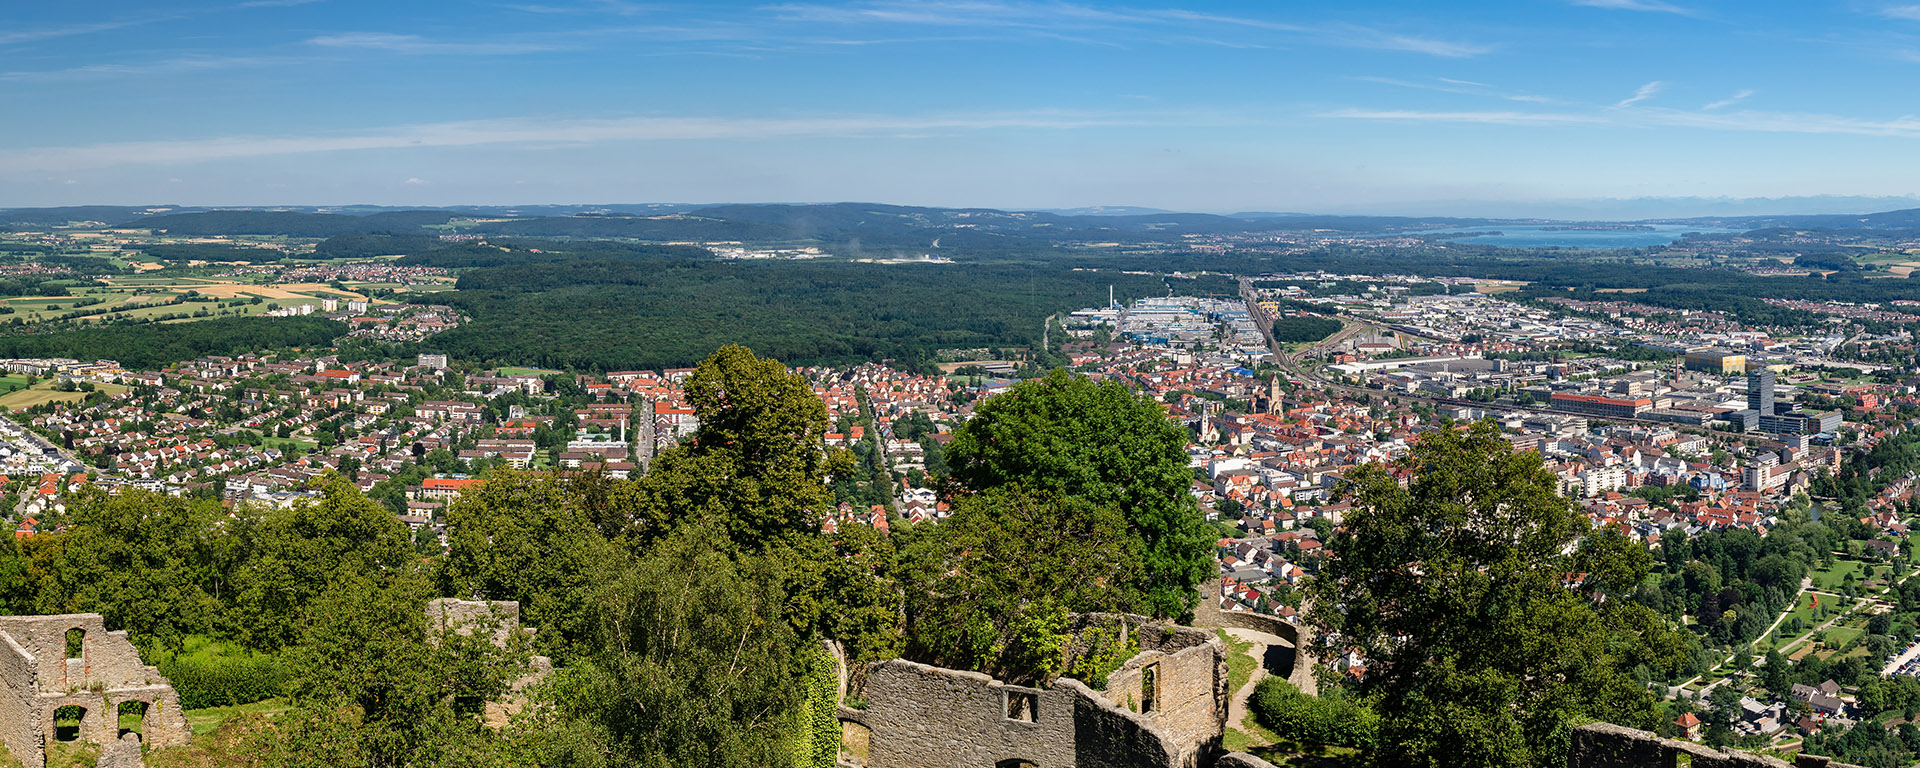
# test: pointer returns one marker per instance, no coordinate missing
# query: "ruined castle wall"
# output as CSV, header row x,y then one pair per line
x,y
1241,760
1190,687
18,715
464,616
107,659
928,717
37,678
1604,745
1208,614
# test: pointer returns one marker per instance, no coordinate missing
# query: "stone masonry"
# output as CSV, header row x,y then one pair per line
x,y
38,678
502,618
1604,745
1164,708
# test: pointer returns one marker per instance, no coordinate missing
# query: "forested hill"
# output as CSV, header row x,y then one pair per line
x,y
876,222
1908,218
250,222
146,347
829,222
656,311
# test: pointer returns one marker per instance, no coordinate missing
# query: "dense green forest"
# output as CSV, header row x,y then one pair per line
x,y
1291,329
652,313
149,346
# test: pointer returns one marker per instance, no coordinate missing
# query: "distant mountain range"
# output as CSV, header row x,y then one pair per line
x,y
892,226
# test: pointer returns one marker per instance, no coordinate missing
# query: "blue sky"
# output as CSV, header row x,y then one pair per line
x,y
1332,106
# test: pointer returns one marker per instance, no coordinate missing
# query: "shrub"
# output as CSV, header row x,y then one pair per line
x,y
1333,719
209,674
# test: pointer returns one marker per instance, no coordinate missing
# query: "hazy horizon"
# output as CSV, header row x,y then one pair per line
x,y
1565,210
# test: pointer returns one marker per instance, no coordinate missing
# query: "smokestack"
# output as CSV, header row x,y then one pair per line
x,y
1109,297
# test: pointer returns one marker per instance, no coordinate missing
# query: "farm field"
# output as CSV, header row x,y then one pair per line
x,y
45,393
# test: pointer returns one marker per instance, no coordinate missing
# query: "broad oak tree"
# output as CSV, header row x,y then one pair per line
x,y
1462,593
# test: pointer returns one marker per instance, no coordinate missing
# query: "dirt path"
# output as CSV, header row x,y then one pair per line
x,y
1267,650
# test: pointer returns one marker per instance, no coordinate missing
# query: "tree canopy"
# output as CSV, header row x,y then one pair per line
x,y
1102,443
1455,589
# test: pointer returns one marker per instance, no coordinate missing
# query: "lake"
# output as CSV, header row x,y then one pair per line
x,y
1541,236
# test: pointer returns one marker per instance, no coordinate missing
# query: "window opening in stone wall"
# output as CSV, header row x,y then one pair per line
x,y
66,722
1023,706
1149,688
133,718
76,643
1014,762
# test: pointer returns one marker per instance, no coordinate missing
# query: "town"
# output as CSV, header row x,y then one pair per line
x,y
1663,427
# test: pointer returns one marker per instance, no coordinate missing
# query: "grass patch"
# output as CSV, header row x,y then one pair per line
x,y
1830,579
1804,612
44,392
72,754
206,720
284,443
1309,756
1240,663
7,760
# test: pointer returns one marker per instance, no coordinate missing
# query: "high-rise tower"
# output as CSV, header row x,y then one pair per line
x,y
1760,391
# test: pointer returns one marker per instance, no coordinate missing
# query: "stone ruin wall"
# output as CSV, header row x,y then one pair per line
x,y
928,717
920,716
1208,614
39,679
464,616
1193,694
18,713
1604,745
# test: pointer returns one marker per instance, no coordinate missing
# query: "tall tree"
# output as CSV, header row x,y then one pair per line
x,y
294,554
533,540
1066,434
150,564
696,666
993,583
1478,652
757,465
377,686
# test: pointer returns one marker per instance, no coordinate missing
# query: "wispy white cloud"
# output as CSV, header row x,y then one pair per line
x,y
1483,118
1907,127
1737,97
532,132
35,34
276,3
415,44
1651,6
1908,12
183,65
1645,92
1464,87
1147,25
